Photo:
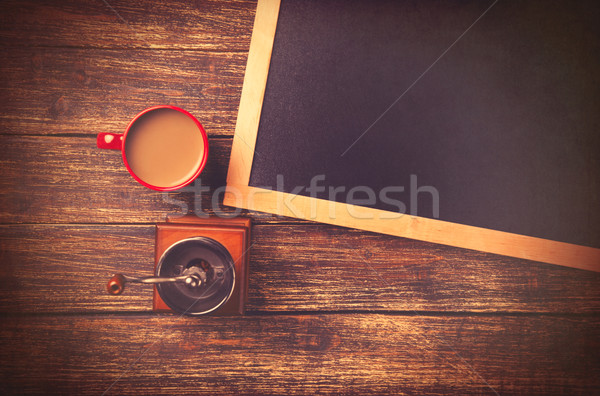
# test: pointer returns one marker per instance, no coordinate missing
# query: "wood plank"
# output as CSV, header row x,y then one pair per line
x,y
332,268
206,25
67,179
88,91
85,71
408,226
253,93
64,268
366,354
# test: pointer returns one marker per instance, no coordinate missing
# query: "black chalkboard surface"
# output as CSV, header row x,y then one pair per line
x,y
482,114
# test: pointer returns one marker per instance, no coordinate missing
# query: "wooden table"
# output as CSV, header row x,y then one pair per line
x,y
330,310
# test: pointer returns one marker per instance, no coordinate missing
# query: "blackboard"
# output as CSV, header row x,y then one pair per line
x,y
478,120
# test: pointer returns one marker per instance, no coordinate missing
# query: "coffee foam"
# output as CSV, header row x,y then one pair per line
x,y
164,148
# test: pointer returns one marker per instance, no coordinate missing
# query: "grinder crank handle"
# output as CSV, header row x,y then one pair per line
x,y
116,284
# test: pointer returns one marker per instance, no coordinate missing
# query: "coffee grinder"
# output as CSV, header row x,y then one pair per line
x,y
201,266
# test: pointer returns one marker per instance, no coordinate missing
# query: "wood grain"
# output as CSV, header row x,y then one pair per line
x,y
64,268
407,226
331,310
253,92
88,91
366,354
54,179
200,25
326,267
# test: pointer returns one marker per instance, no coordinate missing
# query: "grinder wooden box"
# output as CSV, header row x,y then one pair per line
x,y
232,233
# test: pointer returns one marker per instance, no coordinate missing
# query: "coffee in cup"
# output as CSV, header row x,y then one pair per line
x,y
164,147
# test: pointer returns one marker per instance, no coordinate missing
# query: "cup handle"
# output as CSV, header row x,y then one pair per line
x,y
112,141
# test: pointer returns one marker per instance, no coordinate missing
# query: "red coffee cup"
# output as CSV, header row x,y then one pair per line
x,y
164,147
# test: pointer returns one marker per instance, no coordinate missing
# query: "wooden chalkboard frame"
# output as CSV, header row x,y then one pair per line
x,y
240,194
